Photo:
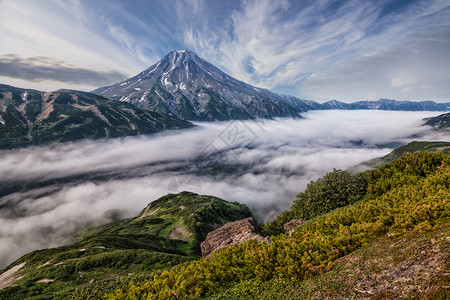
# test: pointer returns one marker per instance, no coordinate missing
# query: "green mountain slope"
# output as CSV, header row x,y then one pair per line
x,y
384,236
29,117
166,233
413,147
414,265
411,194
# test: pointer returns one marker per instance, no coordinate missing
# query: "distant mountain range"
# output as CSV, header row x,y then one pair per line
x,y
30,117
388,104
185,85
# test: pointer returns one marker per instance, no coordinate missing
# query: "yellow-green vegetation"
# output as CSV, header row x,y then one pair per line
x,y
414,265
411,194
112,255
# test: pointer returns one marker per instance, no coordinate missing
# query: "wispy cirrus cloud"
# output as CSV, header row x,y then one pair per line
x,y
289,46
45,69
283,44
416,69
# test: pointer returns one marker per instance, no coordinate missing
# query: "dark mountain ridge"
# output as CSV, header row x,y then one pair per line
x,y
30,117
441,122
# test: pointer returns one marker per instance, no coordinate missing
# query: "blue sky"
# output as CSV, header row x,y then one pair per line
x,y
313,49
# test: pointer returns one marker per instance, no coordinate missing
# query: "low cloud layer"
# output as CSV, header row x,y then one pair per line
x,y
44,69
262,164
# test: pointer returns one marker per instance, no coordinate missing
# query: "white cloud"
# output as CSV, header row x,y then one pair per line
x,y
64,31
416,69
272,44
128,173
282,44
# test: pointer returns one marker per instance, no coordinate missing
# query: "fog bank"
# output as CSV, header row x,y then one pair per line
x,y
50,192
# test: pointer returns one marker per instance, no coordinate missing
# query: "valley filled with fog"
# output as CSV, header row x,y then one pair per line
x,y
48,193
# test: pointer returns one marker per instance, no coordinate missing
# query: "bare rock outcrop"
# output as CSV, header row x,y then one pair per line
x,y
232,233
290,226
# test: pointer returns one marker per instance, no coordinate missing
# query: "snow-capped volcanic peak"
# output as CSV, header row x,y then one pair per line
x,y
185,85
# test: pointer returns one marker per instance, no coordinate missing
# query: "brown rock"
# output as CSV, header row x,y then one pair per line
x,y
232,233
290,226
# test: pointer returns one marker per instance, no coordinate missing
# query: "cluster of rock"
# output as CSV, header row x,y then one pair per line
x,y
239,232
232,233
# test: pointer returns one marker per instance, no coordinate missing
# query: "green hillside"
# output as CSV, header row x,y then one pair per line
x,y
413,147
409,195
166,233
29,117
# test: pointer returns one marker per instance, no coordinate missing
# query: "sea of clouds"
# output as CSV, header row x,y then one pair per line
x,y
51,192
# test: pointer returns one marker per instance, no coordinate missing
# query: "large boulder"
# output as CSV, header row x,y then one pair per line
x,y
232,233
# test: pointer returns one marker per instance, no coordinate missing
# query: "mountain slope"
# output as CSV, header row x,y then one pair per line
x,y
410,266
413,147
166,233
441,122
29,117
409,195
189,87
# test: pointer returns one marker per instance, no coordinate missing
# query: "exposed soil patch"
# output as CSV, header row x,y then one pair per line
x,y
47,106
8,278
45,264
179,233
45,281
93,109
147,213
21,108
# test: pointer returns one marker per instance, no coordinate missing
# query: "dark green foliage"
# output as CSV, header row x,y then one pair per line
x,y
201,214
335,189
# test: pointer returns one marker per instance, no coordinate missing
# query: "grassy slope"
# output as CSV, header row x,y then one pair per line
x,y
412,147
414,265
410,195
67,115
105,256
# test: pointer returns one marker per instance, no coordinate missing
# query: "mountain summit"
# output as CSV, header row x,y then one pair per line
x,y
189,87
